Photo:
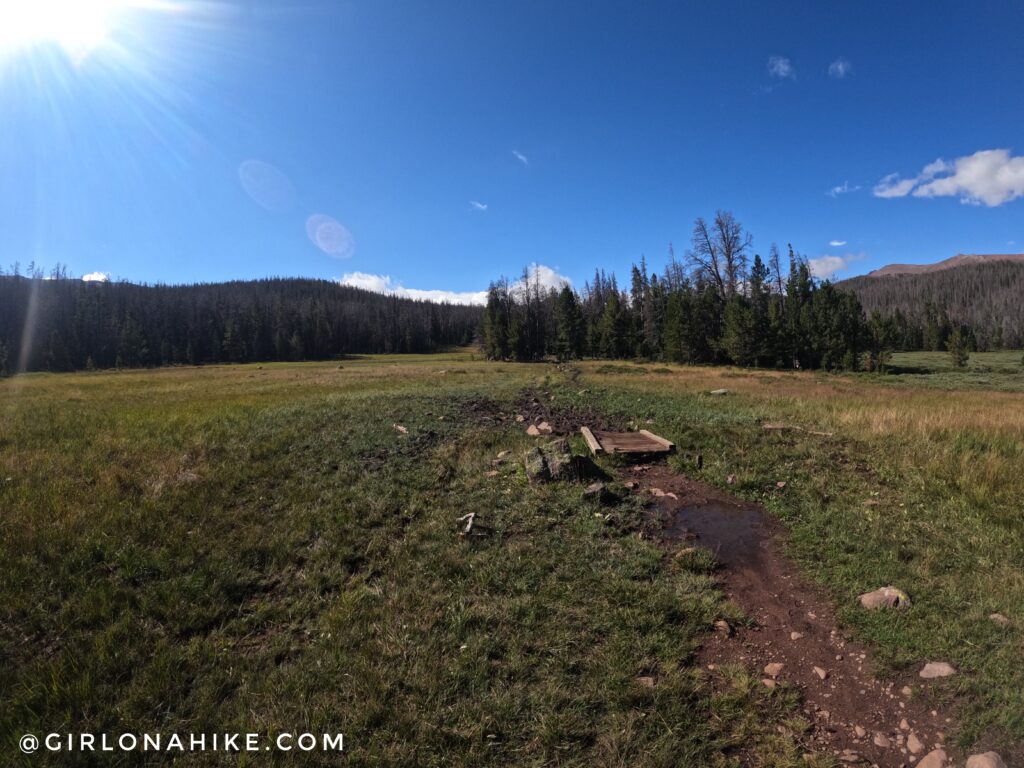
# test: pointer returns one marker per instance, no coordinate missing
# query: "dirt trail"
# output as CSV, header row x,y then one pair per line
x,y
854,716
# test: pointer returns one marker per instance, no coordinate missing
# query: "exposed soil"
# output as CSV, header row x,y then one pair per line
x,y
756,575
539,406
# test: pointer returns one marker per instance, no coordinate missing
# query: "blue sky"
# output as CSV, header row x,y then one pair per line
x,y
443,144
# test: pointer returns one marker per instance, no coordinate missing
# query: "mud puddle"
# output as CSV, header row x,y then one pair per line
x,y
855,717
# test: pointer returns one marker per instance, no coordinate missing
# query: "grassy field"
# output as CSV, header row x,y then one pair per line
x,y
258,548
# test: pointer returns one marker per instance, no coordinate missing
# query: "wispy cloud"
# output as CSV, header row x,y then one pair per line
x,y
842,189
520,157
96,277
837,243
546,276
781,68
840,68
476,205
990,177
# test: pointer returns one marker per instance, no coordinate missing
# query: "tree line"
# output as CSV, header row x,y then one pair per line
x,y
60,324
720,304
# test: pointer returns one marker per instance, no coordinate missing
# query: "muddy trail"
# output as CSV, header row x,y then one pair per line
x,y
794,639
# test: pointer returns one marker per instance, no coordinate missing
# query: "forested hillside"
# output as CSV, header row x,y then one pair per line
x,y
986,298
61,324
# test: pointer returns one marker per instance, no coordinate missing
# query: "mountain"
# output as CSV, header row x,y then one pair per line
x,y
960,260
983,293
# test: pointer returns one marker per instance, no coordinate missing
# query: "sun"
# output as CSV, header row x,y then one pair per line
x,y
77,26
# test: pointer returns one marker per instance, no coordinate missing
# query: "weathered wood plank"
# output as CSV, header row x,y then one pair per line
x,y
658,439
592,442
629,442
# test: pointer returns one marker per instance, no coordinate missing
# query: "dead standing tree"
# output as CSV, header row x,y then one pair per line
x,y
719,254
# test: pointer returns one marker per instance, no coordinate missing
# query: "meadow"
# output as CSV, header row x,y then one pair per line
x,y
276,548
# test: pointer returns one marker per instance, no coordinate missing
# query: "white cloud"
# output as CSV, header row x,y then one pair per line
x,y
96,277
842,189
384,284
477,205
825,267
837,243
990,177
781,67
547,277
330,236
840,68
521,157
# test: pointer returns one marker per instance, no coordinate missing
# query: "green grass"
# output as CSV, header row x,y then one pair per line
x,y
1002,370
257,548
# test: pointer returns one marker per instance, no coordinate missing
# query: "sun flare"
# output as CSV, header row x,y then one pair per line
x,y
77,26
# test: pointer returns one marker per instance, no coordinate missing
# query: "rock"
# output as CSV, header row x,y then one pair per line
x,y
724,627
904,725
719,392
999,619
532,431
773,669
400,429
781,484
768,682
937,669
934,759
795,635
985,760
886,597
646,681
491,473
599,493
906,690
880,740
859,732
822,673
537,470
914,744
731,480
544,428
851,757
520,418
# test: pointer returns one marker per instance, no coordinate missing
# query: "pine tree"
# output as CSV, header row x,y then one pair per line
x,y
959,351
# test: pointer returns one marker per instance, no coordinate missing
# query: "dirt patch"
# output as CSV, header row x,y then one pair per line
x,y
854,716
565,419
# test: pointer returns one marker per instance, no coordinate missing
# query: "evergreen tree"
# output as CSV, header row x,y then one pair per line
x,y
959,351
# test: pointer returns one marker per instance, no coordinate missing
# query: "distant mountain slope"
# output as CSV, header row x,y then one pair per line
x,y
960,260
985,293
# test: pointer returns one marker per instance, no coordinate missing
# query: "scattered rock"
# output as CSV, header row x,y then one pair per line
x,y
646,681
724,627
822,673
769,682
520,418
934,759
880,740
795,635
886,597
491,473
985,760
904,725
399,428
719,392
906,690
781,484
731,480
999,619
537,470
937,669
914,744
859,732
850,757
532,431
773,669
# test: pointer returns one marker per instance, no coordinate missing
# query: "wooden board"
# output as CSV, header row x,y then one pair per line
x,y
625,442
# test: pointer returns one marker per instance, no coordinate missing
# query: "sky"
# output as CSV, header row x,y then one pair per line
x,y
428,148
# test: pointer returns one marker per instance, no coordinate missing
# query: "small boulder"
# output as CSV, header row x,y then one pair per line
x,y
544,428
532,431
773,669
937,669
536,467
985,760
914,744
885,597
935,759
881,740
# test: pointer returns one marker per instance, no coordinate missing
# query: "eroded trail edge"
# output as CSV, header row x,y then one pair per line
x,y
794,640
